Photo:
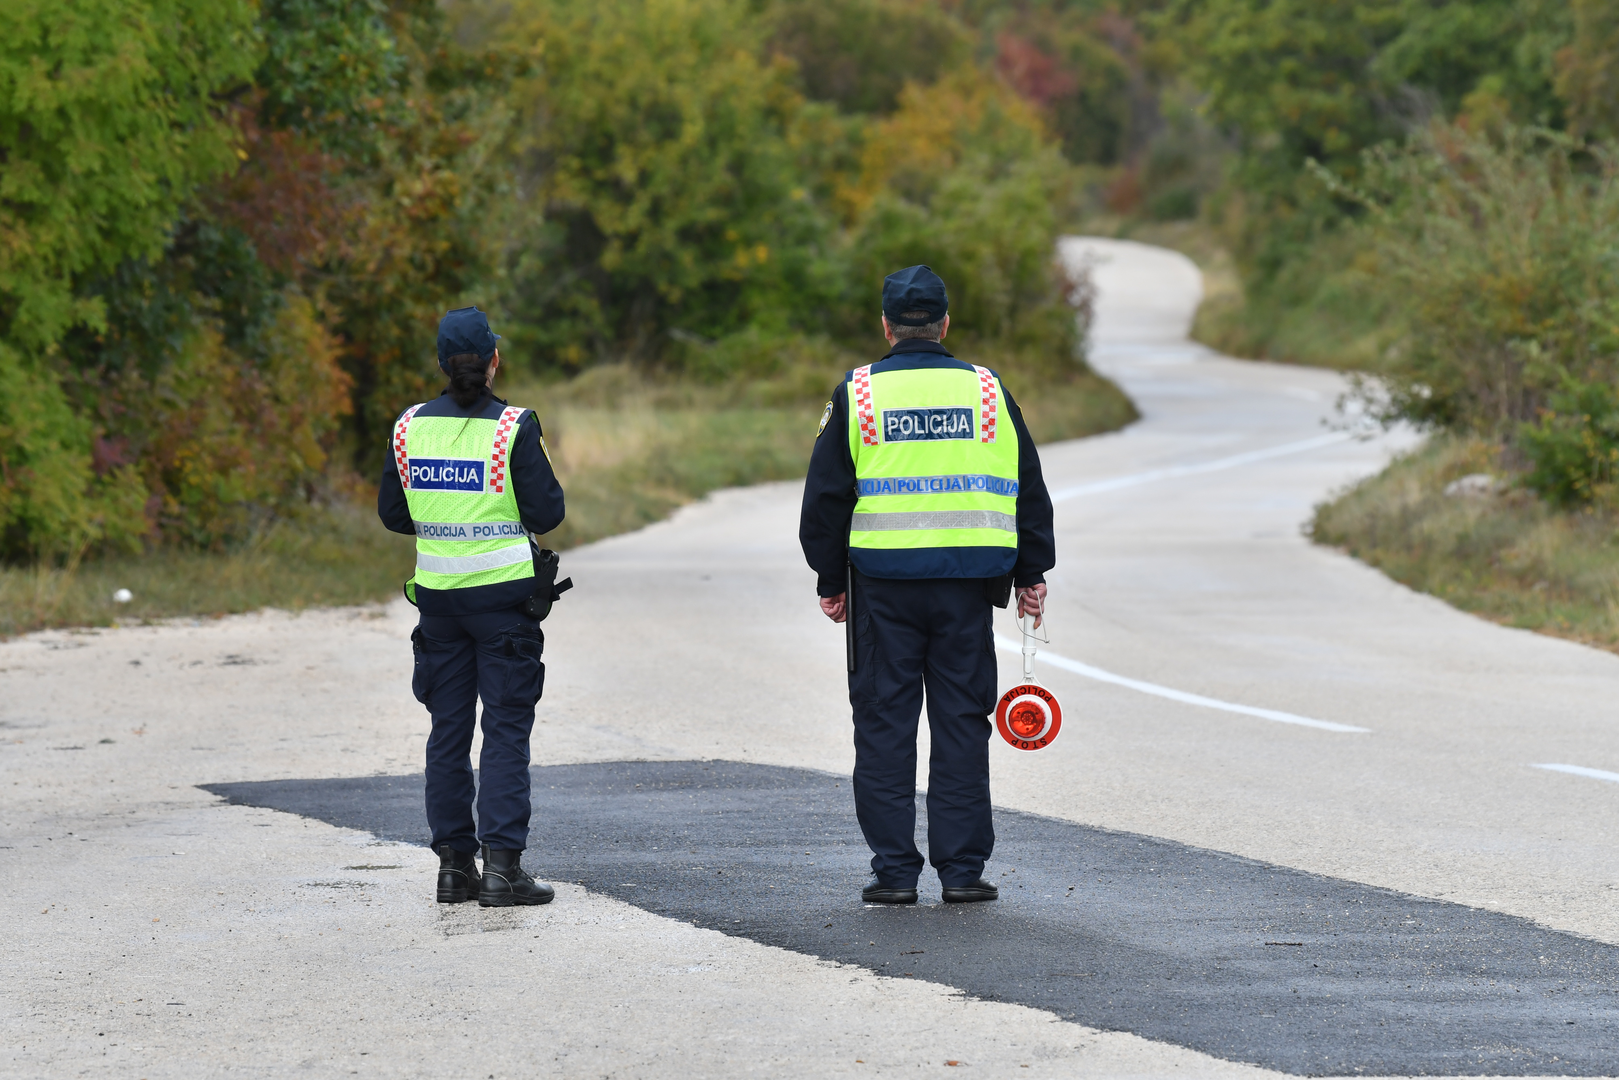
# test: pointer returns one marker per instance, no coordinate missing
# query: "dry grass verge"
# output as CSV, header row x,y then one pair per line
x,y
335,555
1488,548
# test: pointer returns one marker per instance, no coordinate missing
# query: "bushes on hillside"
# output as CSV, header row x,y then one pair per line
x,y
1293,82
1495,253
1574,446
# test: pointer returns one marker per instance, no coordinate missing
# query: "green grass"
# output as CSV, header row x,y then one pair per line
x,y
628,448
1505,556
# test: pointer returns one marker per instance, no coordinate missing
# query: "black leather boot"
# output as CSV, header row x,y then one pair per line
x,y
971,893
876,892
458,877
506,883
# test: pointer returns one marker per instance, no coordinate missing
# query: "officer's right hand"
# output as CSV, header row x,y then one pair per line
x,y
1032,601
836,607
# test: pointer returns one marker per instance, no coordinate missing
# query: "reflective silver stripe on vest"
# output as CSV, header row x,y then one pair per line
x,y
483,530
935,519
471,564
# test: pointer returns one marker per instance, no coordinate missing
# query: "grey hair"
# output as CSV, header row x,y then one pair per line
x,y
928,332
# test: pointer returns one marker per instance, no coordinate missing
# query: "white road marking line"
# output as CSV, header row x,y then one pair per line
x,y
1089,672
1096,487
1581,770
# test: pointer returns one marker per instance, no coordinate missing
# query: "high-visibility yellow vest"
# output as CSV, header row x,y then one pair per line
x,y
936,469
455,474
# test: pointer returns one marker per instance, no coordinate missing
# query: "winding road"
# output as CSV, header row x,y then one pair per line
x,y
1299,818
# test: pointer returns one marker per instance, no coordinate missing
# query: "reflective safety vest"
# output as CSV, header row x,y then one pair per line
x,y
455,475
936,472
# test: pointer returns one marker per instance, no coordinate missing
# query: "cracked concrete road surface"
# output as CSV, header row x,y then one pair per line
x,y
1299,819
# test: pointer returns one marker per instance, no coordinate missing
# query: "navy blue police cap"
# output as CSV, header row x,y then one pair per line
x,y
915,288
464,330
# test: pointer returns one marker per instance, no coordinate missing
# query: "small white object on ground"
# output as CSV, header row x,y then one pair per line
x,y
1479,483
122,596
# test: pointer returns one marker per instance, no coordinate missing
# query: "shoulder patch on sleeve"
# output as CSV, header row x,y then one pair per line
x,y
826,417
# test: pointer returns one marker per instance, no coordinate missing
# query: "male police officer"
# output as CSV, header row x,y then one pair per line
x,y
470,477
924,505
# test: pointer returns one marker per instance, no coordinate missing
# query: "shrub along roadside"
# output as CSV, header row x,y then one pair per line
x,y
628,451
1495,550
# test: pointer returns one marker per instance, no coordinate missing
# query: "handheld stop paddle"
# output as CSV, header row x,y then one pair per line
x,y
1028,716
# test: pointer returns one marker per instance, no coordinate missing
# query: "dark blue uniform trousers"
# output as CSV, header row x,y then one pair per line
x,y
494,655
910,636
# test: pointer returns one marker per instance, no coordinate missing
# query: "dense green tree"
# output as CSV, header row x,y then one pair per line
x,y
963,178
859,54
1588,69
425,216
662,183
212,346
1294,79
110,115
1290,82
330,69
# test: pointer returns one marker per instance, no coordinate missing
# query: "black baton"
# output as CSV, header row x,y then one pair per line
x,y
848,613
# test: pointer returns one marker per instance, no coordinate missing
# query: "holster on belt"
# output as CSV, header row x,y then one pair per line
x,y
547,589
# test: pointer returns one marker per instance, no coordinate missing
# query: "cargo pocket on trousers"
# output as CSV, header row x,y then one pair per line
x,y
525,673
421,680
989,677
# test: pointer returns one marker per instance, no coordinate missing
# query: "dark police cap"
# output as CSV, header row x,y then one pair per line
x,y
465,330
915,288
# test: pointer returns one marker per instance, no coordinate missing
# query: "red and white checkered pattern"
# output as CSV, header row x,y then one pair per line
x,y
499,454
860,398
990,402
401,459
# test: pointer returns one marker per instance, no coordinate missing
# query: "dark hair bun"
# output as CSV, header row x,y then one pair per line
x,y
469,377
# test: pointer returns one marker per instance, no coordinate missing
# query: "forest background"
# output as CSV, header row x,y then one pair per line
x,y
227,230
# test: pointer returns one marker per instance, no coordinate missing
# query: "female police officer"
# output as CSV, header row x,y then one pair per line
x,y
470,477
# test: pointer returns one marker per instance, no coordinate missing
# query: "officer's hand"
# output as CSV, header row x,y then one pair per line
x,y
1030,601
836,607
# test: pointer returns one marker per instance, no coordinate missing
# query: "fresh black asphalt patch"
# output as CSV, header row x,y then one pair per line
x,y
1224,955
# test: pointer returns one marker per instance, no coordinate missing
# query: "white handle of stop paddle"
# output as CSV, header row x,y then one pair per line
x,y
1029,640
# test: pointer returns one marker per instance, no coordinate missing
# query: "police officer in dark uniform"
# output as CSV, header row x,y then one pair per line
x,y
470,477
923,509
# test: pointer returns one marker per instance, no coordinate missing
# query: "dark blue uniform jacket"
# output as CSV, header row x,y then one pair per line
x,y
829,491
539,505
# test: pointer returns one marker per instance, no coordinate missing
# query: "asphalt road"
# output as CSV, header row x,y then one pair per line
x,y
1231,957
1260,712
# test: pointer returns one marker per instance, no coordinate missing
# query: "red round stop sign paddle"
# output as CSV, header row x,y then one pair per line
x,y
1028,715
